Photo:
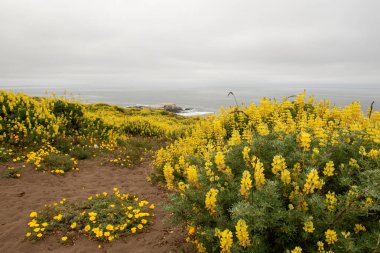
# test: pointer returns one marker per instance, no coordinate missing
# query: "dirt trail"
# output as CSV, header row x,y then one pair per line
x,y
33,190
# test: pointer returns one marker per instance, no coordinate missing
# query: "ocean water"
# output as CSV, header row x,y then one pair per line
x,y
204,99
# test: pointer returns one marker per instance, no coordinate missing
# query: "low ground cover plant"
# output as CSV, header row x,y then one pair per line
x,y
103,217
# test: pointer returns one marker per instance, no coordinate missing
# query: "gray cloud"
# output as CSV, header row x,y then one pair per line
x,y
189,42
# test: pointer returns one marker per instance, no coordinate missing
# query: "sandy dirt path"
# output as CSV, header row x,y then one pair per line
x,y
18,197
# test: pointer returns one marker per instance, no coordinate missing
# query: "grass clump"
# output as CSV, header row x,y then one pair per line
x,y
48,158
103,217
5,154
12,172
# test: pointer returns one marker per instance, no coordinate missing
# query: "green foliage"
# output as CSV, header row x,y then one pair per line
x,y
12,172
71,112
5,154
57,162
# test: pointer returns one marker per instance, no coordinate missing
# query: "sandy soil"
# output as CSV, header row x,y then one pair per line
x,y
33,190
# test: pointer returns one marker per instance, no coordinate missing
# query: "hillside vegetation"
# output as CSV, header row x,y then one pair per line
x,y
291,176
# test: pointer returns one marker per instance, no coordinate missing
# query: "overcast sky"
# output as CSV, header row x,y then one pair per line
x,y
196,42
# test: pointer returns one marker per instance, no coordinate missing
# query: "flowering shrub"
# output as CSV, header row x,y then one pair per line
x,y
103,217
295,176
142,122
53,133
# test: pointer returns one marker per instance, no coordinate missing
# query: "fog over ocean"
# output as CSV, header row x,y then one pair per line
x,y
204,98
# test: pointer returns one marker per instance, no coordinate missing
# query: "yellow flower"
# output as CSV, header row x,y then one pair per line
x,y
278,164
235,138
226,241
87,228
296,250
285,177
106,234
191,230
309,226
259,174
58,217
64,238
133,230
39,235
28,234
210,201
354,163
168,174
368,202
329,169
109,227
358,228
331,201
321,248
242,233
245,152
262,129
74,225
192,175
312,182
346,234
151,206
33,214
144,221
140,226
331,236
45,224
246,184
219,161
304,140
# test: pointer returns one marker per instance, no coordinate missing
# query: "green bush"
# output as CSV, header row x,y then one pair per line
x,y
57,162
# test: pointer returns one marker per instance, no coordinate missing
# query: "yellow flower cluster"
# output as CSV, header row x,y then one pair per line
x,y
278,164
242,233
331,236
168,174
192,175
246,184
226,240
296,250
210,201
259,174
221,165
285,177
329,169
312,182
331,201
304,139
359,228
309,226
